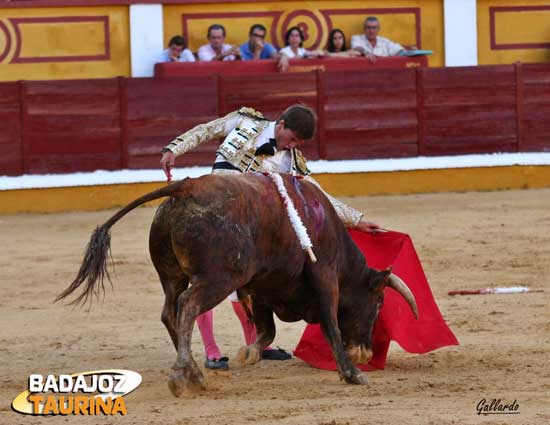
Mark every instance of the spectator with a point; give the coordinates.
(337, 46)
(371, 45)
(257, 47)
(294, 40)
(177, 51)
(217, 50)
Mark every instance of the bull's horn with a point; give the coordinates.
(396, 283)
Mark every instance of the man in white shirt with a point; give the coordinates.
(217, 50)
(371, 45)
(177, 51)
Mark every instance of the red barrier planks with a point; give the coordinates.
(469, 110)
(84, 125)
(371, 114)
(11, 159)
(160, 109)
(71, 126)
(263, 67)
(536, 107)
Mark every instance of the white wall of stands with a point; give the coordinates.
(146, 38)
(460, 26)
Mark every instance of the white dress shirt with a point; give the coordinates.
(383, 47)
(207, 53)
(185, 56)
(290, 53)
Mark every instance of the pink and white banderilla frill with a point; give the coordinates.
(295, 219)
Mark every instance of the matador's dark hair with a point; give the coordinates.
(300, 119)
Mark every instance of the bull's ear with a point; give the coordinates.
(381, 280)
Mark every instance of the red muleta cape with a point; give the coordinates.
(395, 320)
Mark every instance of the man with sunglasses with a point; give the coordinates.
(257, 47)
(371, 45)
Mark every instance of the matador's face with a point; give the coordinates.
(286, 138)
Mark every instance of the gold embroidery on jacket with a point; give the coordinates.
(251, 113)
(233, 148)
(300, 163)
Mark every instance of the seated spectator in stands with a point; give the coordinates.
(371, 45)
(257, 47)
(217, 50)
(177, 51)
(294, 40)
(337, 46)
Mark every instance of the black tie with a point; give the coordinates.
(267, 148)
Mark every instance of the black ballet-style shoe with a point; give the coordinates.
(217, 364)
(276, 354)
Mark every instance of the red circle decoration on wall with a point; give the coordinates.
(4, 53)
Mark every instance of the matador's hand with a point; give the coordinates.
(368, 226)
(167, 163)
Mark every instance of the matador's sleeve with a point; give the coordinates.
(220, 127)
(349, 216)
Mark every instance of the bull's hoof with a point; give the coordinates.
(354, 354)
(181, 380)
(359, 354)
(354, 376)
(366, 355)
(360, 379)
(248, 355)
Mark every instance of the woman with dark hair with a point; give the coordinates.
(336, 44)
(294, 39)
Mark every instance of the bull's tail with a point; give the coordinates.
(94, 270)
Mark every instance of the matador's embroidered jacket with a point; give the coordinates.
(249, 145)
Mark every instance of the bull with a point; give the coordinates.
(221, 233)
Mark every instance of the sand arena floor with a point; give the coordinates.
(465, 240)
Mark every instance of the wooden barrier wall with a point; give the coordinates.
(369, 115)
(11, 159)
(83, 125)
(70, 125)
(534, 107)
(469, 110)
(159, 109)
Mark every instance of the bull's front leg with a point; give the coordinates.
(328, 295)
(265, 334)
(347, 370)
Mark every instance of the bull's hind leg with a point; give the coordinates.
(326, 284)
(265, 330)
(203, 295)
(172, 290)
(171, 275)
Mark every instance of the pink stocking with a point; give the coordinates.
(206, 328)
(249, 330)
